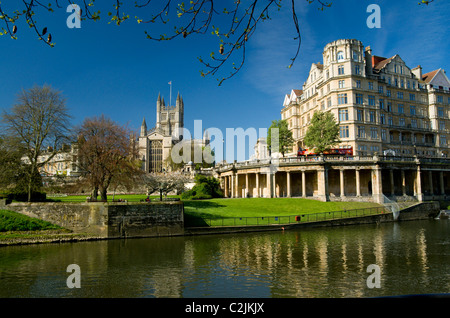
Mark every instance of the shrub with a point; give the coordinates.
(18, 195)
(204, 188)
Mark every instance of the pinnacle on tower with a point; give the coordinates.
(143, 128)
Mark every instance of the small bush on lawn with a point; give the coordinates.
(204, 188)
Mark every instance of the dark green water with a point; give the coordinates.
(413, 257)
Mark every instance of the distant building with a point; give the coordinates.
(155, 145)
(381, 104)
(63, 163)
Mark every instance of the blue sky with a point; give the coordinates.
(114, 70)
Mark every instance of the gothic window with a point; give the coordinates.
(155, 156)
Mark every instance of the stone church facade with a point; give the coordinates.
(155, 144)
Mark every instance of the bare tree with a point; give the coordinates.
(40, 122)
(165, 182)
(234, 25)
(107, 154)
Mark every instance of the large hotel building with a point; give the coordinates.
(382, 105)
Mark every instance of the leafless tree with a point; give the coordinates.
(107, 154)
(165, 182)
(234, 25)
(40, 121)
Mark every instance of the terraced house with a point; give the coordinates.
(382, 105)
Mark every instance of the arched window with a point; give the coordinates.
(340, 56)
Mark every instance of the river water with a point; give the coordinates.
(410, 257)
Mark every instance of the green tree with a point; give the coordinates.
(285, 141)
(323, 133)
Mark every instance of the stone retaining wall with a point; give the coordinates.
(109, 220)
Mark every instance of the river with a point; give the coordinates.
(389, 259)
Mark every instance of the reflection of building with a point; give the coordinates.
(380, 103)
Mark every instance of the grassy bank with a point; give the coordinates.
(261, 210)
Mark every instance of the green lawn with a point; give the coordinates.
(261, 211)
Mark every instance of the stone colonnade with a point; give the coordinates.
(332, 181)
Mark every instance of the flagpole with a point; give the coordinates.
(170, 98)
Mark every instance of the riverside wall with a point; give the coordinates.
(109, 220)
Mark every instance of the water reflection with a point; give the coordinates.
(414, 258)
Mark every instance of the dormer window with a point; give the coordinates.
(340, 56)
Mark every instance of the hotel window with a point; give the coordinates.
(390, 121)
(357, 70)
(358, 84)
(400, 95)
(340, 56)
(322, 105)
(441, 125)
(402, 83)
(440, 99)
(329, 102)
(401, 109)
(414, 123)
(381, 103)
(412, 110)
(372, 116)
(342, 99)
(388, 93)
(440, 111)
(343, 114)
(396, 82)
(380, 89)
(412, 97)
(359, 114)
(383, 134)
(389, 106)
(371, 100)
(409, 84)
(341, 84)
(373, 133)
(343, 132)
(382, 119)
(359, 99)
(443, 140)
(341, 70)
(401, 121)
(355, 56)
(361, 132)
(370, 85)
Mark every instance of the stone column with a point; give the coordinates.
(418, 189)
(377, 185)
(288, 182)
(342, 182)
(303, 184)
(246, 186)
(358, 185)
(257, 185)
(225, 188)
(322, 184)
(233, 185)
(236, 187)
